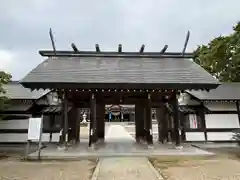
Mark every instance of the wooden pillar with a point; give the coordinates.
(182, 124)
(77, 124)
(100, 115)
(148, 120)
(139, 121)
(161, 114)
(93, 122)
(170, 125)
(61, 137)
(71, 118)
(201, 114)
(238, 110)
(52, 122)
(65, 118)
(176, 119)
(74, 123)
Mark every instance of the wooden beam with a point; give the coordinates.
(186, 43)
(52, 41)
(142, 48)
(119, 48)
(164, 49)
(75, 49)
(116, 54)
(97, 48)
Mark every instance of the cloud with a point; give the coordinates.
(25, 25)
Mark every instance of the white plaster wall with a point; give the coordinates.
(220, 136)
(222, 121)
(195, 136)
(14, 124)
(221, 106)
(22, 137)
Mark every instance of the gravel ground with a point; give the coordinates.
(211, 168)
(12, 169)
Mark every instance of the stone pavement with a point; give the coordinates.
(124, 167)
(118, 133)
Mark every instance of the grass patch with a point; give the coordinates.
(164, 162)
(3, 156)
(230, 152)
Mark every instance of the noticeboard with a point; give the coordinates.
(34, 128)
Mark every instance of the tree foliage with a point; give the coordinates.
(221, 56)
(4, 79)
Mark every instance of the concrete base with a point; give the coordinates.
(179, 147)
(118, 142)
(117, 149)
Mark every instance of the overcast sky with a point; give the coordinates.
(24, 26)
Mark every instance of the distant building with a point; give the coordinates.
(213, 115)
(22, 105)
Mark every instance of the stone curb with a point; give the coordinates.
(155, 172)
(96, 171)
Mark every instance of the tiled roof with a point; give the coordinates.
(106, 70)
(14, 90)
(226, 91)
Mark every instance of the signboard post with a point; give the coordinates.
(35, 134)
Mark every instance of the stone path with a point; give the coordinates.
(124, 167)
(118, 133)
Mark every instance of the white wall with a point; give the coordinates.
(20, 137)
(14, 124)
(222, 121)
(195, 136)
(226, 121)
(215, 121)
(220, 136)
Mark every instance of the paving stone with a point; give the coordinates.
(126, 168)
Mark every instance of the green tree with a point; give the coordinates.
(221, 56)
(4, 79)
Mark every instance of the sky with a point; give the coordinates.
(24, 26)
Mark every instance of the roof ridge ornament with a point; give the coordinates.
(120, 48)
(186, 43)
(119, 53)
(74, 47)
(142, 49)
(52, 40)
(164, 49)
